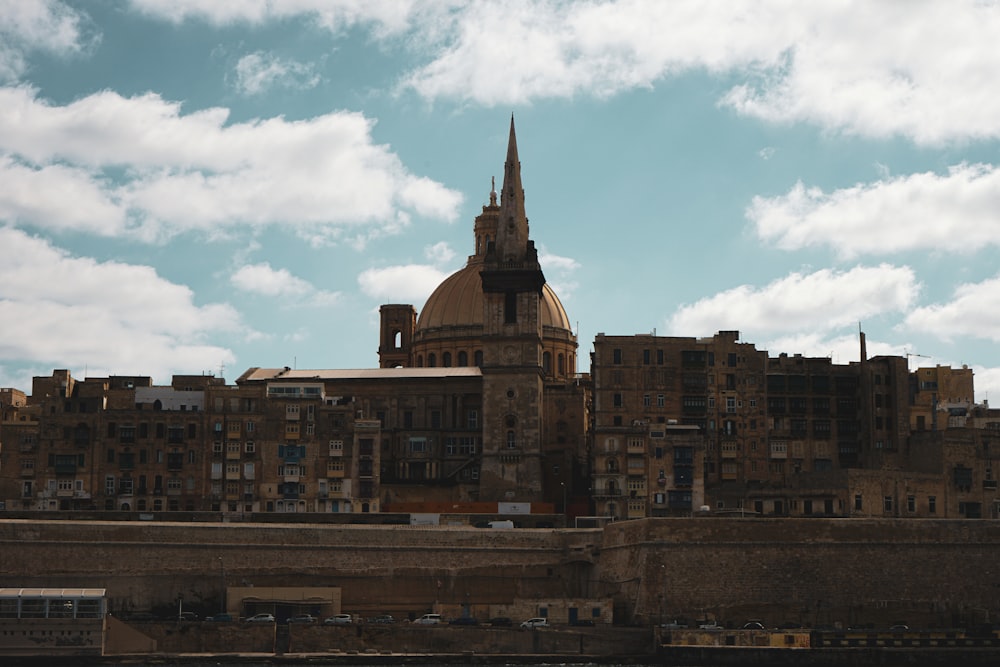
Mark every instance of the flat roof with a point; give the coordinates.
(52, 592)
(320, 375)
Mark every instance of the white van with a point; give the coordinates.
(429, 619)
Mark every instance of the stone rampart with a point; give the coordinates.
(927, 573)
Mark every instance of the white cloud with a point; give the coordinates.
(195, 172)
(106, 316)
(39, 25)
(439, 253)
(987, 383)
(559, 272)
(974, 311)
(388, 16)
(259, 72)
(262, 279)
(923, 70)
(821, 301)
(412, 283)
(957, 212)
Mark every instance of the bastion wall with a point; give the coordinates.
(811, 571)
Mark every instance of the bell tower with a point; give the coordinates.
(512, 370)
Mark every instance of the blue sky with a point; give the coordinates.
(191, 186)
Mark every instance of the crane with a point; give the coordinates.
(913, 354)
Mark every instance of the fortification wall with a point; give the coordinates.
(928, 573)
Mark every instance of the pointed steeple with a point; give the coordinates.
(512, 234)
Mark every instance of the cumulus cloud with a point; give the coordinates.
(560, 272)
(259, 72)
(820, 301)
(973, 311)
(267, 281)
(124, 318)
(928, 78)
(411, 283)
(956, 212)
(40, 25)
(195, 172)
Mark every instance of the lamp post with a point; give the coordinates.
(563, 485)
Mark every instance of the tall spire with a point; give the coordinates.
(512, 234)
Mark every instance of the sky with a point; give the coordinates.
(192, 187)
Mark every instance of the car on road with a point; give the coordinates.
(220, 618)
(535, 623)
(753, 625)
(429, 619)
(464, 620)
(384, 619)
(302, 618)
(261, 618)
(339, 619)
(187, 616)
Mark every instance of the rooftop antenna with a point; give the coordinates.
(222, 369)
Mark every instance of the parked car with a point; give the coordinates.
(464, 620)
(535, 623)
(753, 625)
(674, 625)
(582, 622)
(710, 625)
(187, 616)
(302, 618)
(261, 618)
(220, 618)
(429, 619)
(383, 619)
(899, 627)
(501, 621)
(339, 619)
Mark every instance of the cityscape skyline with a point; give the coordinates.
(193, 188)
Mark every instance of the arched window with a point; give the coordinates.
(562, 365)
(420, 361)
(547, 363)
(612, 465)
(463, 358)
(446, 359)
(479, 358)
(511, 440)
(397, 339)
(431, 360)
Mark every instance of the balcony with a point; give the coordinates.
(291, 478)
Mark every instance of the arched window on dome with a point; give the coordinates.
(446, 359)
(479, 358)
(562, 365)
(463, 358)
(547, 363)
(511, 440)
(420, 361)
(431, 360)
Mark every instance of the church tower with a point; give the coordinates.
(513, 376)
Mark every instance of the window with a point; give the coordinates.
(250, 447)
(911, 504)
(510, 307)
(109, 486)
(616, 355)
(647, 400)
(661, 401)
(887, 503)
(250, 427)
(472, 418)
(418, 445)
(617, 400)
(932, 504)
(511, 440)
(336, 447)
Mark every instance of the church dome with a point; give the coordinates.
(458, 302)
